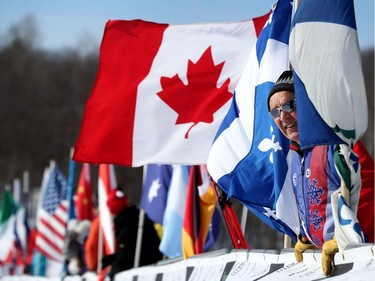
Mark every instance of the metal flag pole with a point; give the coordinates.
(138, 246)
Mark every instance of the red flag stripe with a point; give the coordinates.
(51, 232)
(117, 46)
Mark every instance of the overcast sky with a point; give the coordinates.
(63, 23)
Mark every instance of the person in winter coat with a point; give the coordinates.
(314, 178)
(126, 231)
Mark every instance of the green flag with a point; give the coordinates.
(7, 221)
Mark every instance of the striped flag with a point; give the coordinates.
(248, 158)
(199, 209)
(52, 214)
(83, 197)
(7, 224)
(107, 182)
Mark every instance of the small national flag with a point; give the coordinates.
(183, 74)
(52, 214)
(107, 182)
(7, 223)
(155, 191)
(171, 241)
(199, 209)
(83, 198)
(248, 158)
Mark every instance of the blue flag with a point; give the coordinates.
(155, 191)
(248, 158)
(329, 84)
(171, 243)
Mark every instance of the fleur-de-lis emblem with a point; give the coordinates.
(269, 144)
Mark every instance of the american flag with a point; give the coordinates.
(52, 214)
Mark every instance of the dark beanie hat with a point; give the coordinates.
(284, 83)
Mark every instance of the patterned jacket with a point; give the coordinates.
(314, 179)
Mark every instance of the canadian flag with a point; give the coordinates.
(162, 90)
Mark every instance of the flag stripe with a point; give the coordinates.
(53, 246)
(127, 45)
(52, 226)
(107, 182)
(47, 249)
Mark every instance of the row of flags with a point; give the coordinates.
(166, 190)
(181, 97)
(181, 199)
(14, 233)
(197, 94)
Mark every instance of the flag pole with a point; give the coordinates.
(138, 246)
(100, 249)
(230, 218)
(71, 212)
(287, 239)
(25, 201)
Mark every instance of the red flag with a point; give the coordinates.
(365, 213)
(200, 205)
(184, 75)
(107, 182)
(83, 197)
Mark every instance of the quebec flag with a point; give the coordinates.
(249, 156)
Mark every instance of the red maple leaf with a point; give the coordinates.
(200, 98)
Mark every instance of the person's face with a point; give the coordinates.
(286, 122)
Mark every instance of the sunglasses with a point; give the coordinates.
(287, 107)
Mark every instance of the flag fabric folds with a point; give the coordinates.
(52, 214)
(330, 94)
(170, 244)
(107, 182)
(249, 157)
(83, 198)
(7, 227)
(366, 209)
(329, 83)
(155, 191)
(199, 209)
(174, 81)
